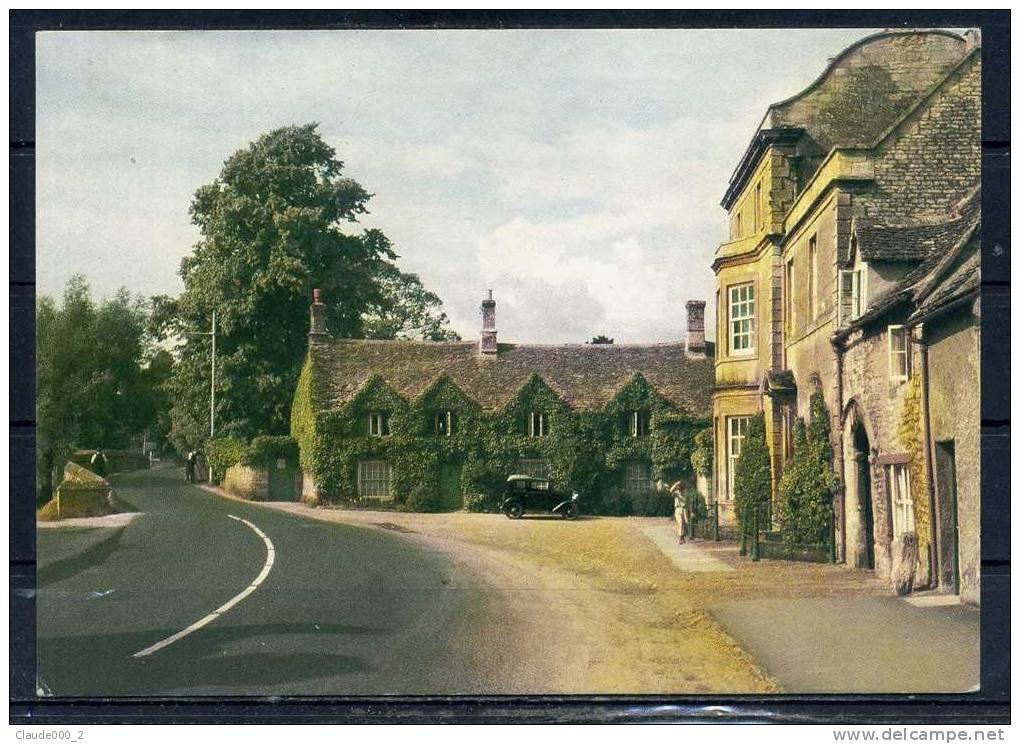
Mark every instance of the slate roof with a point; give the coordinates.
(918, 241)
(585, 376)
(947, 272)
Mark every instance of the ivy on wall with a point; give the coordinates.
(585, 451)
(911, 437)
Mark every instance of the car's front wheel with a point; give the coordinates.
(514, 509)
(570, 511)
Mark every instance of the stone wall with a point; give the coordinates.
(955, 403)
(82, 493)
(247, 482)
(252, 482)
(934, 158)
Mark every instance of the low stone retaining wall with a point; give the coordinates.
(253, 482)
(82, 493)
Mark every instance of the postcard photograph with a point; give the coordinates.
(535, 361)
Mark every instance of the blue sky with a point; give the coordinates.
(576, 173)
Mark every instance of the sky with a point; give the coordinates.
(575, 173)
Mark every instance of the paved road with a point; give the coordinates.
(344, 610)
(858, 644)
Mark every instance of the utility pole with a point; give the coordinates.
(212, 381)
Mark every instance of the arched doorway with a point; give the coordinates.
(859, 520)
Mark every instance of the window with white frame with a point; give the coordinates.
(640, 423)
(378, 424)
(898, 483)
(374, 479)
(736, 430)
(533, 466)
(852, 293)
(637, 478)
(741, 318)
(538, 425)
(446, 423)
(899, 353)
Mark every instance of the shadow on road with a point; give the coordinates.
(95, 555)
(214, 657)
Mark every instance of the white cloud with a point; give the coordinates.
(576, 173)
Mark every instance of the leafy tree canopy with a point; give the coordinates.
(278, 221)
(98, 377)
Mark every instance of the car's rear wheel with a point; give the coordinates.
(570, 511)
(514, 509)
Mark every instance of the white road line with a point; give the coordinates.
(270, 558)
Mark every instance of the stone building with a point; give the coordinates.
(438, 425)
(846, 194)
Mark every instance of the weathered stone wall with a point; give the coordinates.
(925, 168)
(955, 402)
(867, 382)
(247, 482)
(869, 86)
(82, 493)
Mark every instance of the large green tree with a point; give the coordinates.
(98, 379)
(279, 221)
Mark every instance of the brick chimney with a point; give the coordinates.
(317, 333)
(487, 345)
(694, 345)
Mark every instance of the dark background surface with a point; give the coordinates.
(990, 704)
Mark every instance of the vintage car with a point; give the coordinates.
(527, 494)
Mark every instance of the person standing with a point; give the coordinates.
(189, 468)
(98, 463)
(680, 509)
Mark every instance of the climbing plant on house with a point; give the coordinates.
(584, 449)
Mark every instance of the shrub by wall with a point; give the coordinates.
(752, 483)
(222, 453)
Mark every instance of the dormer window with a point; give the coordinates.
(853, 293)
(378, 424)
(446, 424)
(640, 423)
(538, 424)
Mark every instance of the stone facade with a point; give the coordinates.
(888, 135)
(254, 482)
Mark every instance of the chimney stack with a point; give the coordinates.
(694, 346)
(487, 346)
(317, 333)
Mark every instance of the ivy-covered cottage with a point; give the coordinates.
(440, 425)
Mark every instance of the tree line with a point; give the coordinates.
(280, 219)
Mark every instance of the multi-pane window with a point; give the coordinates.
(639, 423)
(446, 423)
(852, 294)
(637, 478)
(899, 353)
(898, 482)
(538, 424)
(736, 430)
(374, 479)
(378, 424)
(741, 318)
(533, 466)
